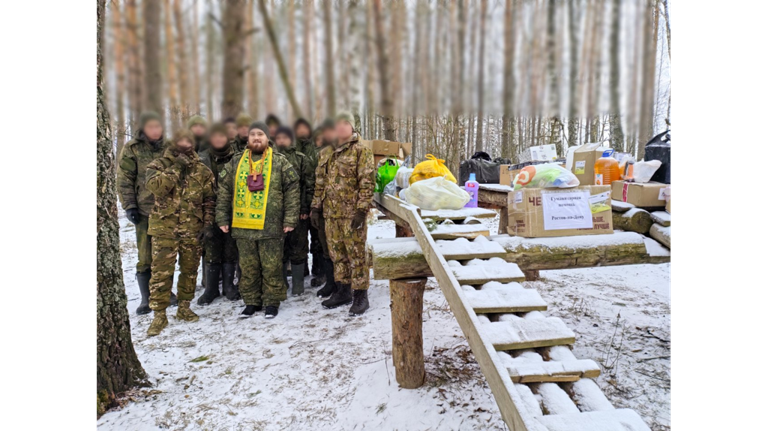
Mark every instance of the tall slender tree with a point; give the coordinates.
(117, 366)
(135, 93)
(279, 58)
(183, 65)
(210, 68)
(308, 11)
(253, 66)
(647, 101)
(172, 84)
(387, 102)
(195, 60)
(234, 53)
(119, 53)
(617, 133)
(153, 78)
(330, 81)
(509, 79)
(481, 76)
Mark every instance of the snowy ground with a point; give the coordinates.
(319, 369)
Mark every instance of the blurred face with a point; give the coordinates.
(303, 132)
(219, 141)
(272, 129)
(153, 129)
(343, 130)
(257, 141)
(329, 136)
(242, 131)
(231, 130)
(282, 140)
(185, 145)
(319, 141)
(198, 130)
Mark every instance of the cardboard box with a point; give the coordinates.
(541, 153)
(507, 174)
(584, 158)
(385, 148)
(669, 205)
(406, 148)
(643, 195)
(527, 212)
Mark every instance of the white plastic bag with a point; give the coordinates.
(436, 194)
(402, 176)
(645, 170)
(546, 176)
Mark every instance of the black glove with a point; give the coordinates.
(183, 160)
(207, 233)
(133, 215)
(315, 217)
(358, 221)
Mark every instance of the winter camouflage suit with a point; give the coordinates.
(261, 251)
(344, 185)
(136, 155)
(296, 245)
(184, 205)
(222, 247)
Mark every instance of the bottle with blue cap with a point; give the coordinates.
(472, 187)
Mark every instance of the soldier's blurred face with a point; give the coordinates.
(198, 130)
(343, 130)
(185, 145)
(257, 141)
(282, 140)
(219, 140)
(242, 131)
(272, 128)
(302, 131)
(329, 135)
(153, 129)
(319, 141)
(231, 130)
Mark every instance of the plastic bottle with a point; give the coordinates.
(471, 187)
(606, 169)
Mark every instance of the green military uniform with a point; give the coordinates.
(222, 247)
(296, 242)
(344, 186)
(261, 250)
(184, 205)
(239, 144)
(136, 155)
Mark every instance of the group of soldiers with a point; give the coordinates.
(245, 196)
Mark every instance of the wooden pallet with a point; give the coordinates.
(537, 382)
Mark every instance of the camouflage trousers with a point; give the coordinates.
(222, 248)
(144, 244)
(347, 247)
(261, 262)
(164, 253)
(296, 244)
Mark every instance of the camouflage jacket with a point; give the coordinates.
(239, 144)
(344, 179)
(215, 163)
(306, 172)
(308, 148)
(136, 155)
(283, 201)
(184, 197)
(201, 144)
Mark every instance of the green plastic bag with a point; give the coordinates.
(386, 173)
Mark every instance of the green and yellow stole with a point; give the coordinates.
(250, 208)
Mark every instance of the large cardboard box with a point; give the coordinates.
(540, 153)
(583, 210)
(584, 158)
(507, 174)
(383, 149)
(643, 195)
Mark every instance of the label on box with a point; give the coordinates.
(624, 190)
(665, 193)
(580, 167)
(598, 179)
(600, 202)
(518, 197)
(566, 210)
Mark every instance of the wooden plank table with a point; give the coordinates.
(495, 196)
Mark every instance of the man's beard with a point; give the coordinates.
(256, 146)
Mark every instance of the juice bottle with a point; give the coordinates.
(606, 169)
(471, 187)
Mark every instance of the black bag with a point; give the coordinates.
(486, 171)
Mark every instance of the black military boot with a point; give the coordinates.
(306, 268)
(143, 279)
(342, 296)
(212, 284)
(174, 300)
(359, 302)
(318, 270)
(297, 278)
(230, 290)
(270, 312)
(330, 283)
(205, 273)
(249, 310)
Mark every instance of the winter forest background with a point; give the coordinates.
(451, 76)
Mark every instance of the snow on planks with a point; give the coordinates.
(478, 271)
(613, 420)
(464, 249)
(530, 367)
(461, 214)
(495, 297)
(453, 231)
(516, 334)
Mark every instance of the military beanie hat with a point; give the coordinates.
(196, 119)
(183, 134)
(346, 116)
(302, 121)
(218, 128)
(272, 119)
(259, 125)
(243, 120)
(284, 130)
(327, 124)
(148, 116)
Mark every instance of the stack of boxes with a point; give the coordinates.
(384, 149)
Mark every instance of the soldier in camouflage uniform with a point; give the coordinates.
(183, 212)
(257, 226)
(296, 245)
(231, 125)
(220, 257)
(272, 124)
(242, 122)
(344, 193)
(199, 127)
(136, 200)
(302, 132)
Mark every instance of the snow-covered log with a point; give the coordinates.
(635, 220)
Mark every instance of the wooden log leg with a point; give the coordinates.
(531, 274)
(407, 303)
(503, 220)
(402, 231)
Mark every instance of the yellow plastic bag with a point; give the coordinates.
(431, 168)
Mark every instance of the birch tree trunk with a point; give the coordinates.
(617, 133)
(309, 9)
(509, 79)
(553, 101)
(135, 94)
(196, 61)
(170, 55)
(574, 18)
(183, 67)
(480, 77)
(153, 78)
(117, 366)
(387, 104)
(234, 53)
(119, 35)
(647, 105)
(330, 82)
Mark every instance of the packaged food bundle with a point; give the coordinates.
(435, 194)
(548, 175)
(430, 168)
(386, 173)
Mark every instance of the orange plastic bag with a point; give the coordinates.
(433, 167)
